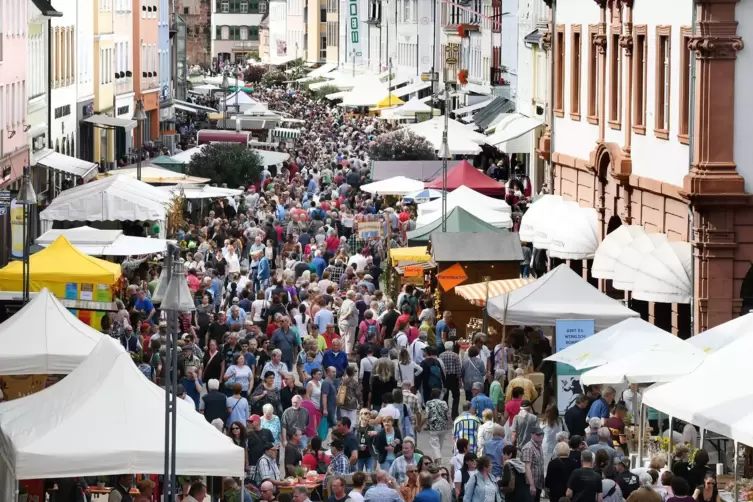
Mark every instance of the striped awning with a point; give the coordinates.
(476, 293)
(281, 132)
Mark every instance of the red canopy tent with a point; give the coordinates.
(464, 173)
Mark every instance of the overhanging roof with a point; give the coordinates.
(470, 246)
(194, 106)
(105, 121)
(46, 8)
(486, 116)
(67, 164)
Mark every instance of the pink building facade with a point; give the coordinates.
(14, 148)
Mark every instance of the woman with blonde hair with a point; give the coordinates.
(485, 430)
(382, 380)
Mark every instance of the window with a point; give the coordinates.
(253, 33)
(686, 62)
(225, 33)
(559, 71)
(406, 11)
(322, 47)
(323, 15)
(593, 75)
(143, 9)
(615, 79)
(663, 60)
(244, 7)
(262, 6)
(186, 10)
(575, 72)
(640, 61)
(244, 32)
(225, 7)
(218, 33)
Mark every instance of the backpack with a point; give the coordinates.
(435, 376)
(371, 331)
(406, 301)
(321, 466)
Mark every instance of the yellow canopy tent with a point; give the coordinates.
(60, 267)
(388, 102)
(417, 254)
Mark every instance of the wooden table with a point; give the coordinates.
(309, 485)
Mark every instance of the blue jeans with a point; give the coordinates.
(386, 465)
(365, 464)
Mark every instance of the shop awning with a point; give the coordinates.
(491, 113)
(272, 158)
(194, 106)
(476, 293)
(574, 234)
(410, 89)
(67, 164)
(472, 108)
(417, 254)
(665, 274)
(105, 121)
(605, 258)
(510, 128)
(630, 260)
(282, 132)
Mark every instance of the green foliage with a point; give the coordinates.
(254, 73)
(233, 164)
(273, 78)
(323, 91)
(401, 145)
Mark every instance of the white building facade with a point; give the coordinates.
(295, 29)
(278, 31)
(235, 28)
(36, 83)
(63, 95)
(85, 64)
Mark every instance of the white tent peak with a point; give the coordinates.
(560, 294)
(399, 185)
(464, 195)
(413, 106)
(72, 430)
(44, 338)
(720, 336)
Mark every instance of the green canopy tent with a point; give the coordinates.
(168, 163)
(244, 89)
(458, 221)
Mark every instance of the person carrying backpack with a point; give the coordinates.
(408, 299)
(432, 375)
(368, 330)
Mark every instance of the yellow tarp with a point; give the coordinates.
(61, 262)
(388, 102)
(417, 254)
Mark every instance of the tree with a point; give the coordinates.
(254, 74)
(322, 92)
(401, 145)
(273, 78)
(229, 163)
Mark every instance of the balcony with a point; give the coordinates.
(149, 82)
(123, 83)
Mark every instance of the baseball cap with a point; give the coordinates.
(536, 430)
(253, 418)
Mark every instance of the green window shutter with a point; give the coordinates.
(218, 33)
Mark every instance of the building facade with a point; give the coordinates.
(235, 29)
(164, 68)
(197, 15)
(14, 50)
(103, 144)
(37, 95)
(295, 29)
(631, 136)
(85, 66)
(333, 31)
(264, 39)
(125, 16)
(145, 66)
(63, 86)
(278, 30)
(316, 31)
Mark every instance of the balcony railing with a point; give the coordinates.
(496, 77)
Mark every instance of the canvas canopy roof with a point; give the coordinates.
(367, 90)
(205, 192)
(45, 267)
(44, 338)
(415, 254)
(467, 197)
(461, 139)
(96, 242)
(390, 101)
(414, 106)
(499, 219)
(458, 220)
(114, 198)
(399, 185)
(477, 293)
(560, 294)
(154, 174)
(534, 219)
(724, 409)
(464, 174)
(64, 440)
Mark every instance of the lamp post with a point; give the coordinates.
(140, 117)
(486, 280)
(26, 197)
(225, 87)
(174, 296)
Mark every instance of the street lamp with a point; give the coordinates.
(225, 87)
(140, 117)
(177, 298)
(26, 197)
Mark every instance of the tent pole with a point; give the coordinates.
(641, 434)
(174, 394)
(669, 444)
(736, 493)
(167, 364)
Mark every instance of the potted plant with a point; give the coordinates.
(101, 481)
(463, 77)
(300, 472)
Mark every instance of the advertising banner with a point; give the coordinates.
(569, 332)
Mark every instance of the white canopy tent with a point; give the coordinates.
(510, 134)
(574, 234)
(499, 219)
(399, 185)
(186, 155)
(413, 106)
(44, 338)
(665, 274)
(699, 398)
(114, 198)
(269, 158)
(322, 71)
(560, 294)
(96, 242)
(205, 192)
(83, 426)
(461, 139)
(367, 90)
(154, 174)
(206, 88)
(612, 343)
(630, 260)
(464, 196)
(720, 336)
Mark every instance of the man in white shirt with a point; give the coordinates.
(402, 339)
(418, 346)
(360, 260)
(390, 410)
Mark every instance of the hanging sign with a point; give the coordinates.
(451, 277)
(354, 29)
(569, 332)
(413, 271)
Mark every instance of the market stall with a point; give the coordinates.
(464, 174)
(96, 242)
(84, 426)
(468, 258)
(560, 294)
(467, 198)
(458, 221)
(498, 219)
(44, 338)
(112, 199)
(82, 278)
(398, 185)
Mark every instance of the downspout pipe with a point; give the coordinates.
(691, 135)
(553, 32)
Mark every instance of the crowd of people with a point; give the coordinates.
(299, 353)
